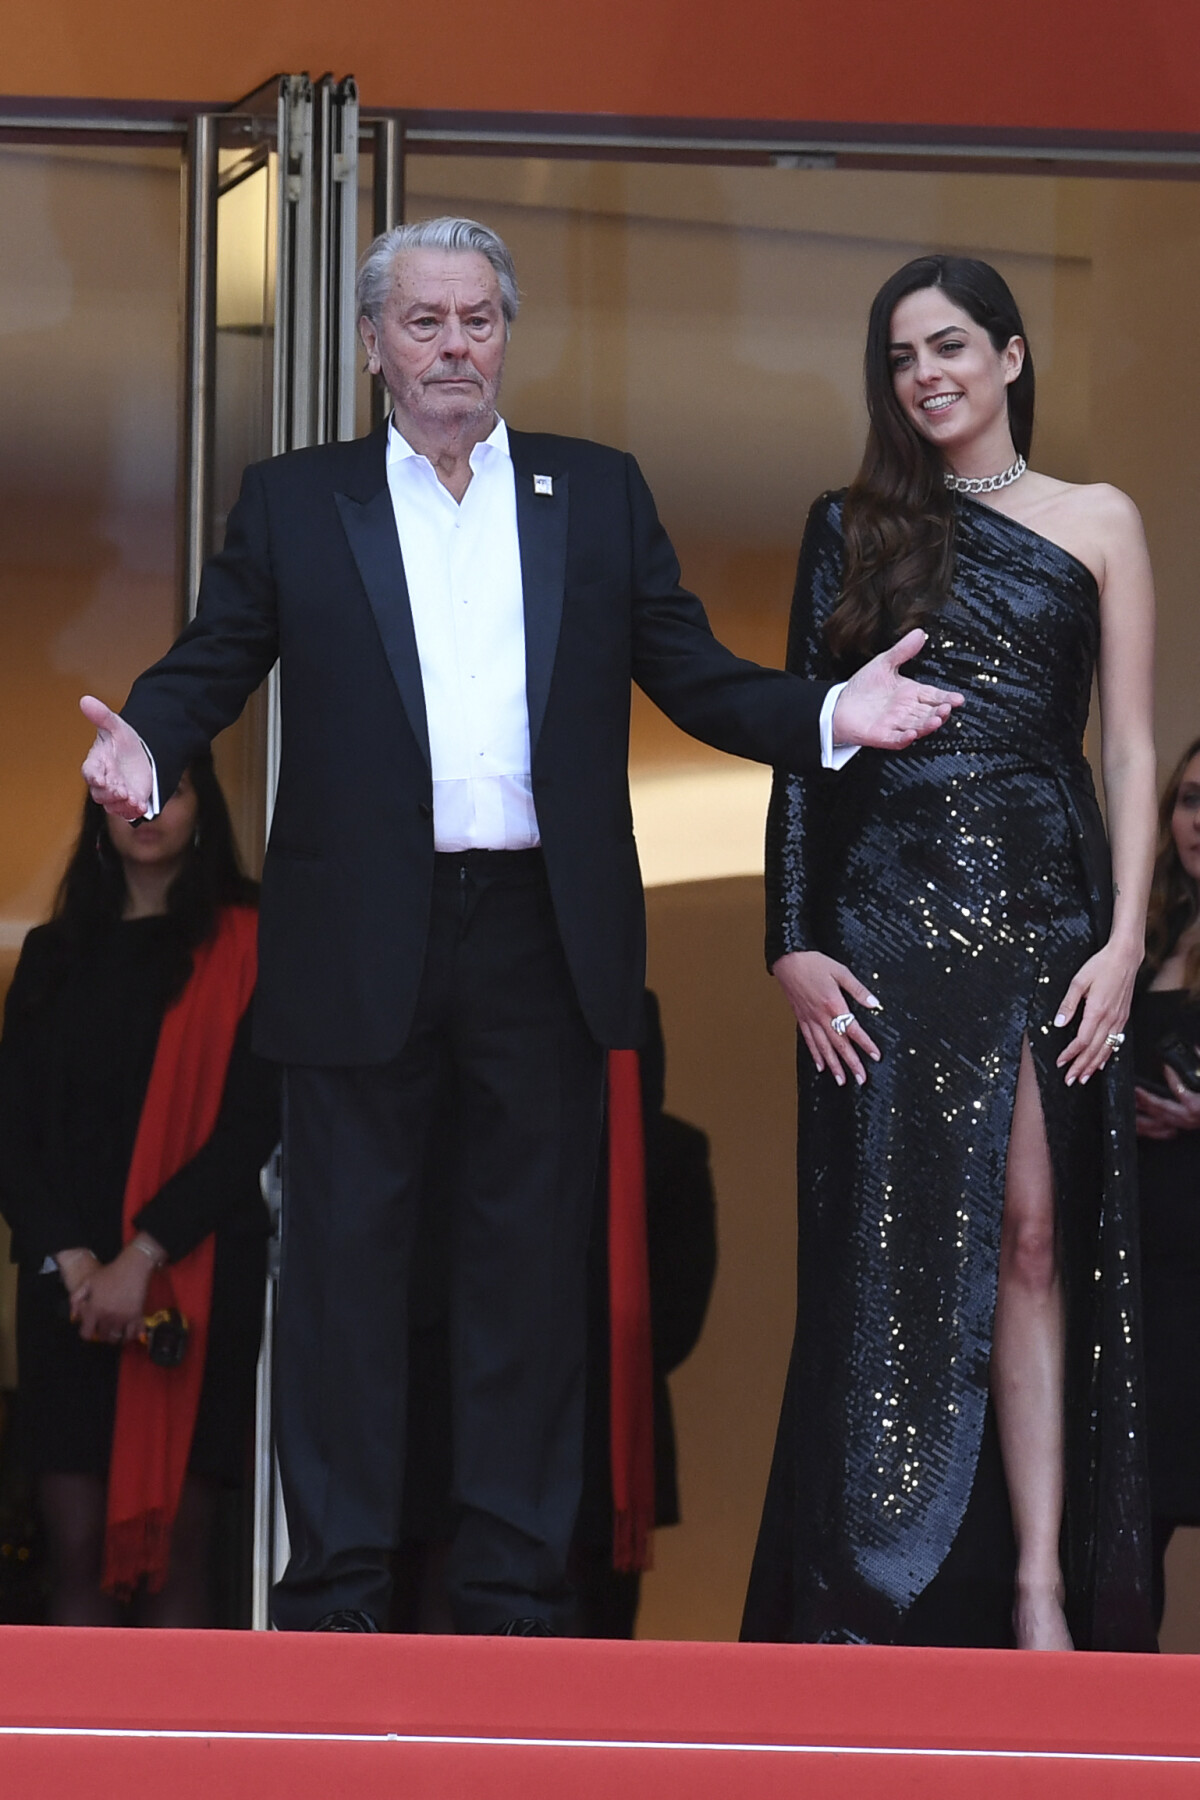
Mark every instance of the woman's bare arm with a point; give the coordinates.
(1103, 987)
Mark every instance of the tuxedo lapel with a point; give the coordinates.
(542, 530)
(370, 526)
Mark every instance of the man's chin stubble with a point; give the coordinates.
(462, 411)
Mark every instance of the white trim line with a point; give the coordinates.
(457, 1741)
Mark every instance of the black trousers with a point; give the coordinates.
(498, 1039)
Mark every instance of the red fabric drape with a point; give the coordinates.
(156, 1408)
(631, 1356)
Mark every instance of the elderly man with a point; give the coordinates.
(452, 912)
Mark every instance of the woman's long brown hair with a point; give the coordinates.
(898, 519)
(92, 892)
(1174, 899)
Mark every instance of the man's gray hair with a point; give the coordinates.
(373, 282)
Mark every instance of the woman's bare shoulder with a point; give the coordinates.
(1095, 521)
(1099, 504)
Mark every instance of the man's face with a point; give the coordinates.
(440, 343)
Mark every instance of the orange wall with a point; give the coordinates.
(1084, 65)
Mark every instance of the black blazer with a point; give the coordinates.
(312, 573)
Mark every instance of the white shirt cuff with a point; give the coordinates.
(154, 808)
(833, 756)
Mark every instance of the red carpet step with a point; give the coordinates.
(92, 1714)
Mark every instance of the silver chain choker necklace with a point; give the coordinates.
(985, 484)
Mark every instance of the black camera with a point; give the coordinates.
(1176, 1054)
(165, 1335)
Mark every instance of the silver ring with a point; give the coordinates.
(1115, 1039)
(842, 1023)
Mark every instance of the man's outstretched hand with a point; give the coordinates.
(116, 768)
(880, 707)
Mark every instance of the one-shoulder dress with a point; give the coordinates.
(964, 880)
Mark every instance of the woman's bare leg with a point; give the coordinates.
(1027, 1372)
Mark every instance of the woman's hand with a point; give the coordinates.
(818, 990)
(1162, 1118)
(110, 1304)
(1104, 988)
(76, 1267)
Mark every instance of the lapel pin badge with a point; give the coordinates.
(543, 484)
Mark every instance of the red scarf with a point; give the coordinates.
(631, 1357)
(156, 1408)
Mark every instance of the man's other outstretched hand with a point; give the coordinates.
(881, 707)
(116, 768)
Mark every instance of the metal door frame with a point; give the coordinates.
(306, 135)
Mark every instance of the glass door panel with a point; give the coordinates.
(89, 361)
(241, 399)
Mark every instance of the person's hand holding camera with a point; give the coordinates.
(1161, 1116)
(108, 1300)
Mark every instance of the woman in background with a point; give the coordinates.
(129, 1165)
(943, 925)
(1166, 1042)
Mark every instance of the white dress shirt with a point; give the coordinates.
(462, 563)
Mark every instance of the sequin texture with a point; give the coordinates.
(964, 880)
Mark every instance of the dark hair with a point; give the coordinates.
(92, 892)
(1174, 900)
(899, 515)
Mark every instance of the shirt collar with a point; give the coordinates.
(399, 449)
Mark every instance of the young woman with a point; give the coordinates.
(1166, 1044)
(129, 1169)
(959, 950)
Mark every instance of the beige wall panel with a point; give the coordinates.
(1145, 383)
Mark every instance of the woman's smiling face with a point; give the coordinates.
(951, 381)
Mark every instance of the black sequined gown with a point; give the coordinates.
(964, 880)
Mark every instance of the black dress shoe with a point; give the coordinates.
(525, 1628)
(346, 1618)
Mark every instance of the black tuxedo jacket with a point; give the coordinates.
(312, 572)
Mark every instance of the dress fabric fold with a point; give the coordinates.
(964, 880)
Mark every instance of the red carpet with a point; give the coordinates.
(99, 1714)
